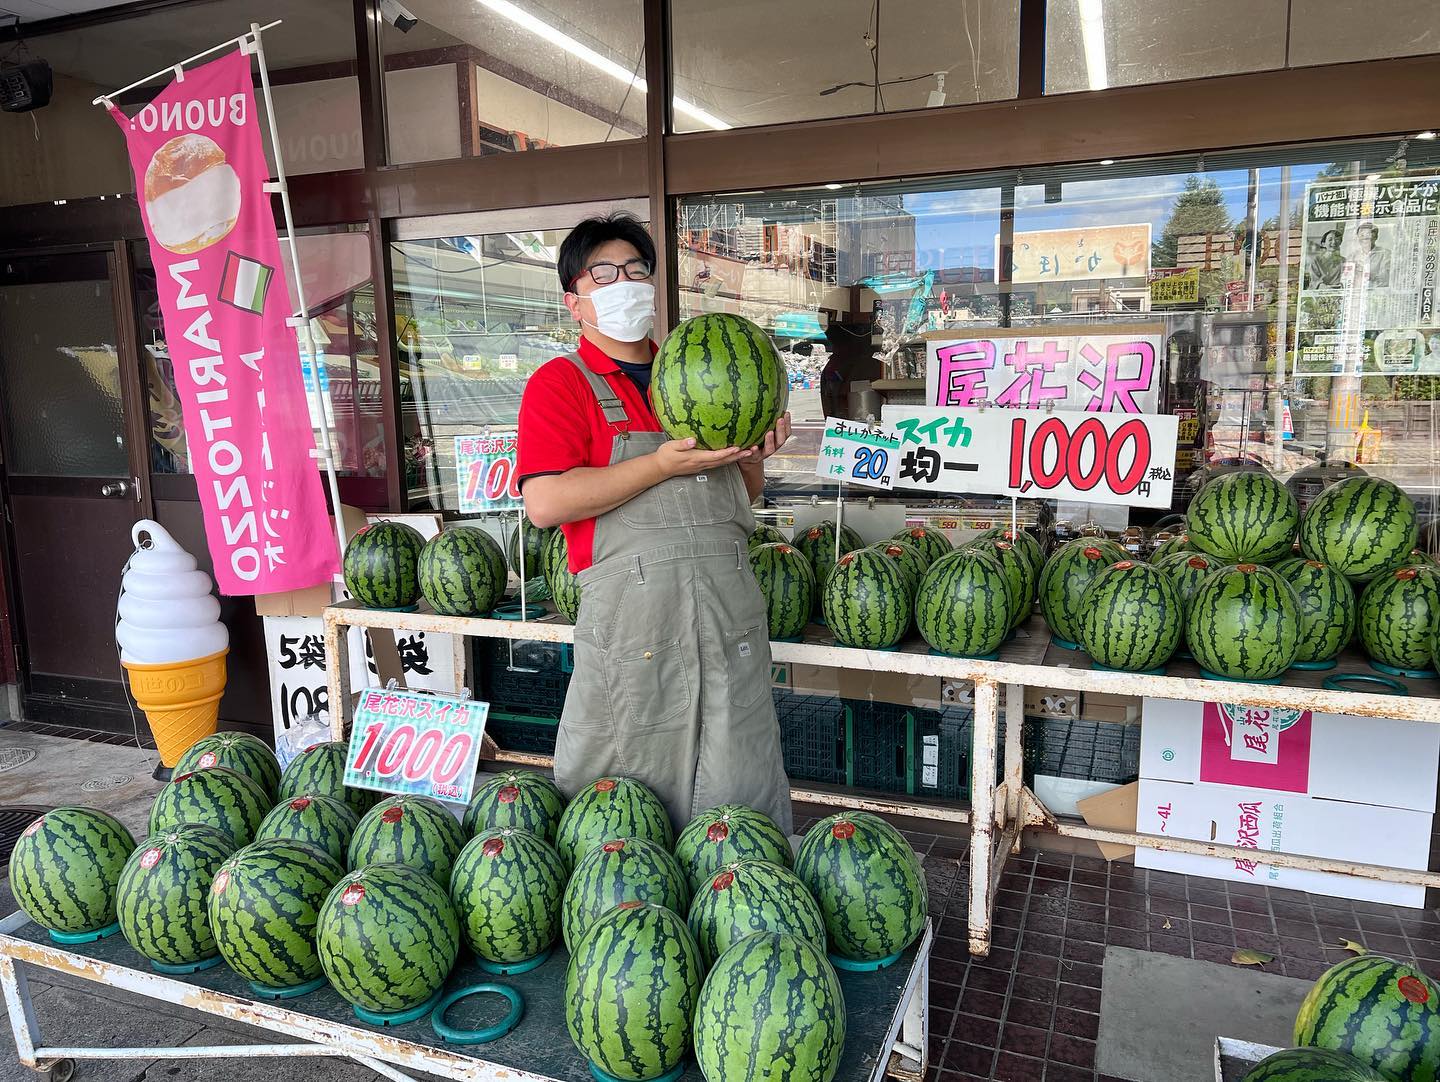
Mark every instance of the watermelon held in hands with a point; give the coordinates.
(462, 572)
(563, 583)
(718, 378)
(749, 897)
(1311, 1065)
(1244, 624)
(1327, 607)
(1383, 1013)
(611, 808)
(868, 882)
(520, 799)
(240, 752)
(264, 905)
(1360, 527)
(620, 870)
(216, 797)
(1243, 517)
(771, 1010)
(929, 541)
(865, 601)
(381, 565)
(908, 559)
(323, 822)
(766, 534)
(535, 541)
(413, 830)
(787, 583)
(1396, 615)
(507, 887)
(66, 866)
(724, 835)
(319, 770)
(1066, 575)
(630, 991)
(1130, 617)
(164, 889)
(963, 606)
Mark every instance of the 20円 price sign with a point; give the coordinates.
(1110, 458)
(858, 453)
(406, 742)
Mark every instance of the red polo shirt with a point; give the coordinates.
(561, 427)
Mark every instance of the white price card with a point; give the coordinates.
(858, 453)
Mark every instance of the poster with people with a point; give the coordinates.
(1369, 270)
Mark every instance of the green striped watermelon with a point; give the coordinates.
(787, 583)
(1187, 570)
(771, 1011)
(1024, 542)
(462, 572)
(748, 897)
(516, 798)
(725, 834)
(817, 542)
(611, 808)
(868, 882)
(1396, 614)
(908, 559)
(1360, 526)
(865, 601)
(1244, 517)
(319, 770)
(413, 830)
(620, 870)
(535, 541)
(507, 887)
(1416, 557)
(1169, 547)
(630, 991)
(1383, 1013)
(1070, 569)
(380, 565)
(264, 904)
(1130, 617)
(1327, 607)
(1310, 1065)
(564, 586)
(766, 534)
(1017, 570)
(963, 606)
(387, 937)
(216, 797)
(323, 822)
(240, 752)
(65, 868)
(929, 541)
(718, 378)
(161, 899)
(1244, 623)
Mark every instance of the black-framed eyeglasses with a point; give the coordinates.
(603, 274)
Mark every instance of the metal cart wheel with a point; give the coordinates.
(62, 1070)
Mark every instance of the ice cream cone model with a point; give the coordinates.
(172, 643)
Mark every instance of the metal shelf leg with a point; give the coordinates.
(982, 815)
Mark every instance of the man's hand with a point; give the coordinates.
(680, 457)
(774, 440)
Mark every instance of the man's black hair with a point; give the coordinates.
(580, 245)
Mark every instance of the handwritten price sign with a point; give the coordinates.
(406, 742)
(857, 453)
(1066, 454)
(485, 470)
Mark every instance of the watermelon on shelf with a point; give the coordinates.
(630, 991)
(264, 905)
(1383, 1013)
(1065, 577)
(771, 1010)
(907, 558)
(507, 887)
(929, 541)
(1243, 517)
(963, 606)
(1130, 617)
(161, 901)
(865, 601)
(66, 866)
(387, 937)
(766, 534)
(787, 583)
(320, 821)
(1310, 1065)
(535, 541)
(724, 835)
(1024, 542)
(748, 897)
(620, 870)
(319, 770)
(1188, 571)
(1244, 623)
(817, 542)
(380, 565)
(611, 808)
(462, 572)
(1360, 527)
(240, 752)
(868, 882)
(1015, 565)
(719, 379)
(1179, 543)
(516, 798)
(563, 583)
(1326, 602)
(413, 830)
(1396, 614)
(216, 797)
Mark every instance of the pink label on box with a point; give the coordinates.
(1248, 745)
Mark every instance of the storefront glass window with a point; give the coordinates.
(759, 62)
(494, 77)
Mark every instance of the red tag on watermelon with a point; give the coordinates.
(207, 760)
(843, 831)
(1413, 989)
(34, 828)
(1198, 562)
(613, 847)
(353, 893)
(718, 832)
(1406, 573)
(723, 881)
(1124, 565)
(629, 905)
(493, 847)
(392, 815)
(1313, 563)
(848, 558)
(605, 785)
(150, 859)
(300, 803)
(1246, 569)
(1092, 553)
(508, 795)
(222, 880)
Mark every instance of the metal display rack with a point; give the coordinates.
(998, 812)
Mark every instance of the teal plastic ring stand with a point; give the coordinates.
(1236, 679)
(669, 1076)
(514, 611)
(1339, 680)
(1314, 666)
(1393, 670)
(850, 965)
(395, 1018)
(186, 968)
(452, 1035)
(1158, 670)
(1064, 644)
(70, 938)
(510, 969)
(295, 991)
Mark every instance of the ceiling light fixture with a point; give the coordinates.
(1425, 135)
(1107, 161)
(834, 187)
(561, 40)
(1092, 34)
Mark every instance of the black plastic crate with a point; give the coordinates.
(916, 752)
(1102, 751)
(536, 683)
(812, 736)
(517, 732)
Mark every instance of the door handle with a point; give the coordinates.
(115, 490)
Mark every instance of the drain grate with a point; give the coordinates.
(107, 782)
(13, 820)
(11, 758)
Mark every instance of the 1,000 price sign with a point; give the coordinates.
(406, 742)
(486, 474)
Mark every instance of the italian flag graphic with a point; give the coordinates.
(244, 283)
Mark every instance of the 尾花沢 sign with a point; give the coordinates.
(486, 472)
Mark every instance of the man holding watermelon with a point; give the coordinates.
(672, 655)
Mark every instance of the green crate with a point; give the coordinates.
(514, 690)
(915, 752)
(1102, 751)
(813, 731)
(521, 732)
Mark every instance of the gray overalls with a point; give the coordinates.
(672, 647)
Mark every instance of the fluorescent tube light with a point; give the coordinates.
(1092, 34)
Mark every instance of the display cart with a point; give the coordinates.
(998, 812)
(886, 1017)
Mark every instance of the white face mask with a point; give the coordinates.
(624, 310)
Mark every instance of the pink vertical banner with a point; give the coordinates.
(200, 173)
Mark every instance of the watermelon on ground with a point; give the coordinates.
(240, 752)
(868, 882)
(1243, 517)
(611, 808)
(413, 830)
(771, 1011)
(1383, 1013)
(719, 379)
(320, 821)
(1130, 617)
(630, 991)
(535, 539)
(462, 572)
(1310, 1065)
(264, 904)
(1244, 623)
(563, 583)
(521, 799)
(724, 835)
(787, 583)
(766, 534)
(748, 897)
(1326, 602)
(865, 601)
(507, 887)
(65, 868)
(907, 558)
(1065, 577)
(161, 901)
(963, 606)
(1360, 527)
(319, 770)
(387, 937)
(216, 797)
(380, 565)
(929, 541)
(1396, 614)
(620, 870)
(817, 542)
